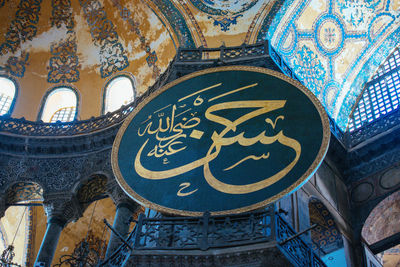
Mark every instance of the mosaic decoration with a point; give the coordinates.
(16, 65)
(357, 12)
(309, 69)
(92, 188)
(325, 236)
(29, 254)
(112, 55)
(193, 20)
(383, 221)
(350, 39)
(64, 64)
(62, 14)
(23, 27)
(24, 191)
(177, 22)
(224, 12)
(2, 3)
(151, 58)
(262, 32)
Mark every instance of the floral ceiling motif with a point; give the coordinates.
(224, 12)
(334, 46)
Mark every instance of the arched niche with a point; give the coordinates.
(383, 221)
(24, 192)
(92, 188)
(327, 241)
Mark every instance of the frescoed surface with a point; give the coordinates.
(335, 46)
(82, 44)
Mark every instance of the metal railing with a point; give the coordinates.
(208, 232)
(39, 128)
(184, 58)
(296, 249)
(222, 53)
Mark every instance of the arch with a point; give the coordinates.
(24, 192)
(326, 236)
(8, 94)
(381, 94)
(88, 190)
(59, 104)
(383, 221)
(118, 91)
(327, 241)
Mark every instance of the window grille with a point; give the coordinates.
(119, 91)
(64, 115)
(60, 104)
(7, 95)
(5, 103)
(381, 94)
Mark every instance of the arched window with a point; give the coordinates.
(7, 95)
(60, 105)
(118, 92)
(381, 94)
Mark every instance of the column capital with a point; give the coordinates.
(62, 208)
(119, 197)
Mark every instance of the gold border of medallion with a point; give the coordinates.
(320, 156)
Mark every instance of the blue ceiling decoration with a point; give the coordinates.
(335, 46)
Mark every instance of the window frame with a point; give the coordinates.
(110, 80)
(375, 95)
(16, 93)
(50, 91)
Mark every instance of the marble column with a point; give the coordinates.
(60, 210)
(125, 208)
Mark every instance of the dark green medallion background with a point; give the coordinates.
(302, 118)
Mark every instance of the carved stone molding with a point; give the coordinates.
(62, 208)
(53, 174)
(119, 197)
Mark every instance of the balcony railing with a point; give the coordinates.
(295, 249)
(215, 232)
(185, 58)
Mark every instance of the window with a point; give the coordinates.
(7, 95)
(119, 91)
(381, 94)
(60, 105)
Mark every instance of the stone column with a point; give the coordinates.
(60, 210)
(125, 208)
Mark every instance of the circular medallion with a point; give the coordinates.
(390, 179)
(362, 192)
(329, 32)
(223, 140)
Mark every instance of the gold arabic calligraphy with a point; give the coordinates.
(173, 142)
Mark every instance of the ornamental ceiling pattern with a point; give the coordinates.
(334, 46)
